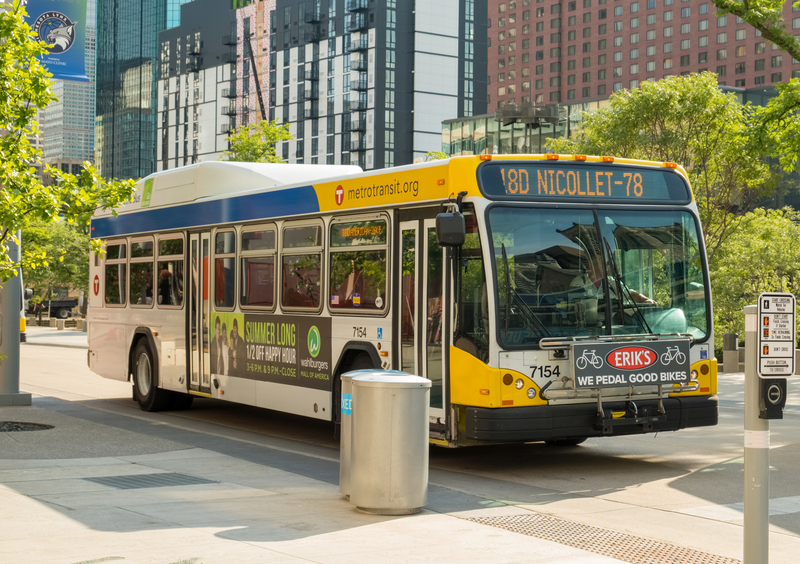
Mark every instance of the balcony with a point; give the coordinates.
(194, 64)
(358, 105)
(226, 129)
(360, 44)
(311, 110)
(229, 110)
(312, 33)
(193, 48)
(313, 72)
(312, 93)
(358, 64)
(313, 16)
(229, 40)
(229, 58)
(355, 5)
(229, 92)
(359, 144)
(355, 22)
(358, 125)
(360, 83)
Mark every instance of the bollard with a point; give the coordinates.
(730, 353)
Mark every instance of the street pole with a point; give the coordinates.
(10, 305)
(756, 451)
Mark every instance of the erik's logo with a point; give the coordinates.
(55, 29)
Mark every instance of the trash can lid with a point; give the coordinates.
(390, 379)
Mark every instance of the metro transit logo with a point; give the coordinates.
(339, 195)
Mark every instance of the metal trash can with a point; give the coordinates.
(346, 423)
(389, 458)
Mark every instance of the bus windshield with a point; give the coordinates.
(584, 272)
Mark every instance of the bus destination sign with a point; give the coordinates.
(577, 181)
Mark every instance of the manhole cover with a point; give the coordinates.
(11, 426)
(160, 480)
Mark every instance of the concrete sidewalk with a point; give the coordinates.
(102, 486)
(52, 337)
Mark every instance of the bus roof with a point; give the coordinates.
(218, 178)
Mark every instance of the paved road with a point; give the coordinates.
(683, 488)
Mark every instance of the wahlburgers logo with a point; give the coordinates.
(314, 341)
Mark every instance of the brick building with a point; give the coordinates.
(547, 51)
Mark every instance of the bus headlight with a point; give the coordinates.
(519, 384)
(531, 393)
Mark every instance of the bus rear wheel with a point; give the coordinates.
(145, 380)
(574, 441)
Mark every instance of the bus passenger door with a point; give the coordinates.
(432, 305)
(199, 364)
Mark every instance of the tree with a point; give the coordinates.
(65, 248)
(435, 156)
(776, 125)
(685, 120)
(24, 200)
(255, 143)
(762, 256)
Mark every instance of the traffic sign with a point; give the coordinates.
(776, 335)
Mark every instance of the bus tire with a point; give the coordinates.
(362, 361)
(145, 380)
(574, 441)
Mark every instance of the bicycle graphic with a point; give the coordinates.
(588, 357)
(673, 353)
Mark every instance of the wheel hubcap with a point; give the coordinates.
(144, 376)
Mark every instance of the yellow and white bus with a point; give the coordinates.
(547, 297)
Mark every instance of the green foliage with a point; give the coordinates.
(686, 120)
(776, 126)
(61, 251)
(762, 256)
(435, 156)
(255, 143)
(24, 200)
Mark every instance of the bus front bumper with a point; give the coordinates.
(547, 422)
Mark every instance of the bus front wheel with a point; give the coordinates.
(145, 380)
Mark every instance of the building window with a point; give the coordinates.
(722, 37)
(777, 61)
(760, 48)
(776, 77)
(650, 50)
(651, 19)
(634, 69)
(601, 90)
(634, 38)
(634, 54)
(702, 25)
(601, 74)
(686, 12)
(667, 63)
(702, 41)
(702, 58)
(741, 34)
(650, 66)
(651, 35)
(759, 64)
(739, 68)
(740, 51)
(617, 86)
(722, 54)
(634, 23)
(685, 44)
(668, 31)
(740, 83)
(722, 70)
(586, 92)
(685, 60)
(668, 47)
(686, 28)
(668, 16)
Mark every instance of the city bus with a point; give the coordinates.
(547, 297)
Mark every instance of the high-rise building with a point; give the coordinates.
(369, 82)
(582, 50)
(127, 50)
(67, 125)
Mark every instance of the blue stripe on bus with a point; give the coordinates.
(264, 205)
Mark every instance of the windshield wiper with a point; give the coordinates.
(531, 319)
(622, 289)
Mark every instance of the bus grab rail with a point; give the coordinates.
(566, 342)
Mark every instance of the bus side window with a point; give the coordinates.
(170, 272)
(224, 269)
(116, 275)
(301, 263)
(141, 272)
(258, 268)
(358, 265)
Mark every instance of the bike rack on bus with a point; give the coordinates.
(608, 423)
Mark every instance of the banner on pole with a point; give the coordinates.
(62, 25)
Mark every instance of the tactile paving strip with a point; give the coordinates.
(628, 548)
(159, 480)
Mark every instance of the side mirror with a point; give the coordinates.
(451, 231)
(28, 293)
